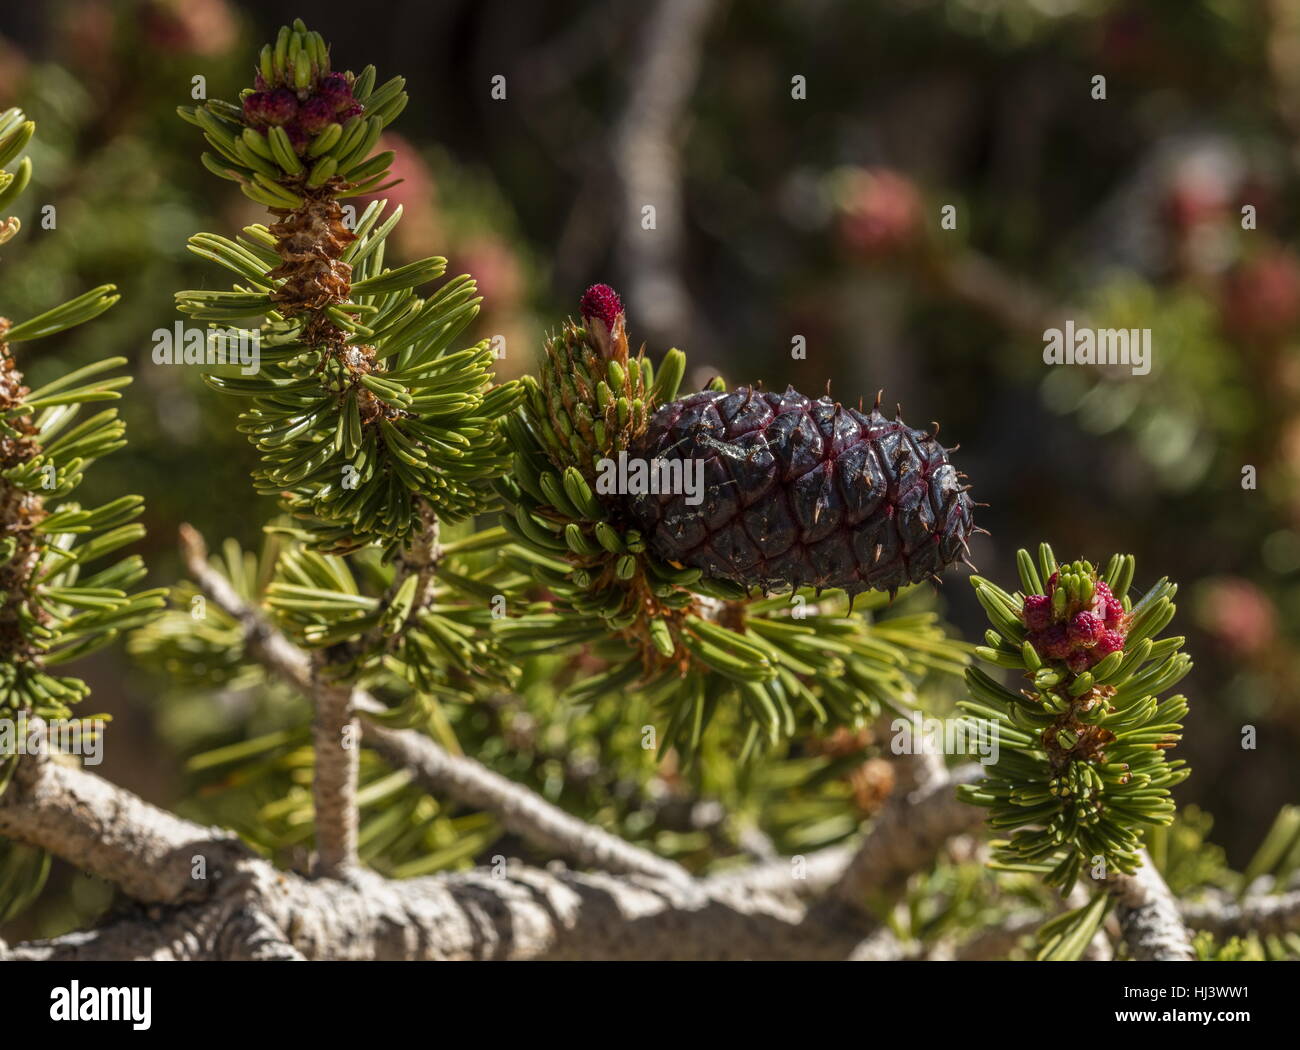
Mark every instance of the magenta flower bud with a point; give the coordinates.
(1053, 641)
(1037, 612)
(1086, 629)
(336, 90)
(298, 138)
(281, 106)
(256, 108)
(1079, 660)
(1110, 642)
(315, 114)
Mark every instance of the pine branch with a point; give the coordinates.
(467, 781)
(519, 809)
(265, 643)
(1263, 914)
(907, 835)
(150, 853)
(522, 913)
(336, 741)
(1149, 918)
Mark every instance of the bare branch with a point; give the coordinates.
(648, 166)
(1265, 914)
(267, 645)
(153, 855)
(1149, 920)
(519, 809)
(907, 835)
(522, 811)
(519, 913)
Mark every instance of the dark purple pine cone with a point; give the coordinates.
(803, 493)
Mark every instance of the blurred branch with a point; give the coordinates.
(1264, 914)
(1013, 302)
(648, 165)
(1283, 51)
(907, 835)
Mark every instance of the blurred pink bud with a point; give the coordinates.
(880, 213)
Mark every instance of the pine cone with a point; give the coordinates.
(803, 493)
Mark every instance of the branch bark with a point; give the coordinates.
(336, 747)
(1265, 914)
(1149, 919)
(246, 908)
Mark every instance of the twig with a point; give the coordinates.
(522, 811)
(267, 645)
(335, 731)
(519, 809)
(336, 746)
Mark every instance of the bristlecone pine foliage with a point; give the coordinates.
(693, 639)
(363, 415)
(373, 430)
(1083, 768)
(58, 600)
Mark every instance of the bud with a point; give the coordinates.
(1078, 621)
(602, 311)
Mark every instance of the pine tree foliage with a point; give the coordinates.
(587, 755)
(690, 642)
(366, 417)
(1084, 765)
(60, 599)
(550, 641)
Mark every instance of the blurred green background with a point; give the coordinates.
(776, 217)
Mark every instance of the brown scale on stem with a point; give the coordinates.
(1090, 740)
(20, 512)
(310, 241)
